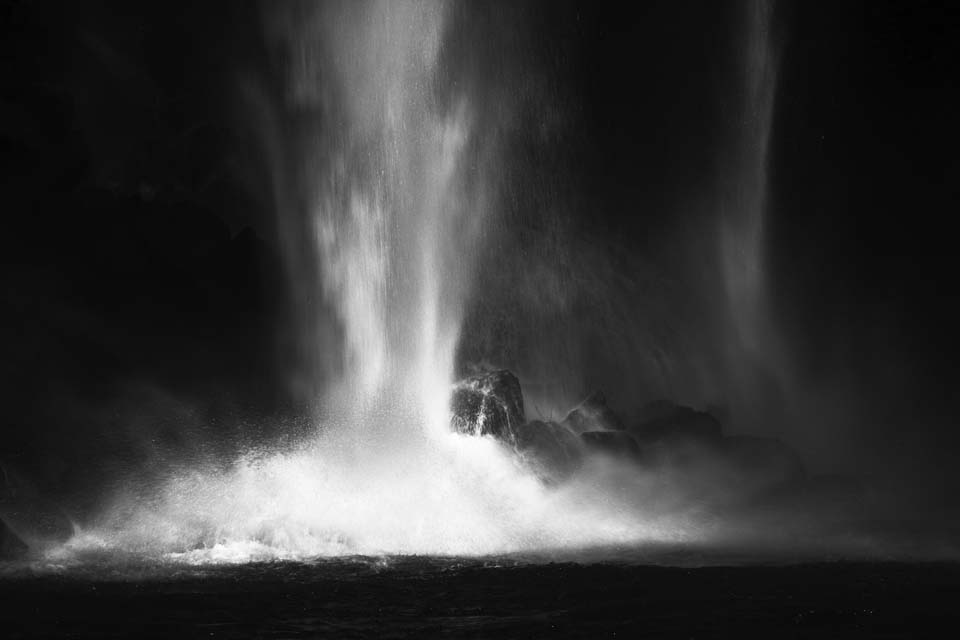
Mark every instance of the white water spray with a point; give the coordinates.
(394, 225)
(397, 191)
(396, 176)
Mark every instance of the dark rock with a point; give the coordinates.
(554, 450)
(489, 403)
(664, 421)
(593, 414)
(618, 444)
(657, 410)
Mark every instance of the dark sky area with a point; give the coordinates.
(142, 286)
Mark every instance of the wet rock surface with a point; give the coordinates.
(488, 403)
(618, 444)
(593, 414)
(663, 421)
(661, 436)
(553, 450)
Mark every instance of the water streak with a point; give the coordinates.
(753, 353)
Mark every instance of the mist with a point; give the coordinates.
(239, 305)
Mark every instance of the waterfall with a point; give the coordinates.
(753, 353)
(387, 186)
(394, 197)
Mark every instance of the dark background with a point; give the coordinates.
(144, 300)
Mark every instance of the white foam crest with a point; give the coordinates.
(455, 495)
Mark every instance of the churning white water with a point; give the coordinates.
(395, 174)
(397, 201)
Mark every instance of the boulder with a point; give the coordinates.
(664, 421)
(617, 444)
(552, 449)
(488, 403)
(656, 410)
(593, 414)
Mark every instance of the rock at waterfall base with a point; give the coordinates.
(488, 403)
(617, 444)
(682, 441)
(665, 421)
(593, 414)
(552, 449)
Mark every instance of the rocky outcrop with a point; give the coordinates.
(488, 403)
(616, 444)
(665, 421)
(550, 448)
(672, 438)
(593, 414)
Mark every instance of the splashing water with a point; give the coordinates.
(397, 195)
(397, 173)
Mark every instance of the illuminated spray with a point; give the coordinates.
(397, 178)
(396, 196)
